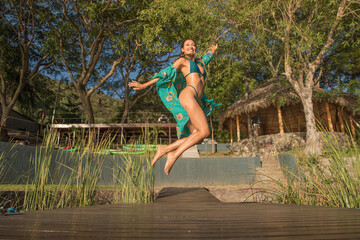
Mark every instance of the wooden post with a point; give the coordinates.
(98, 137)
(169, 135)
(212, 136)
(238, 127)
(281, 124)
(122, 135)
(58, 140)
(331, 127)
(73, 138)
(352, 125)
(341, 120)
(231, 135)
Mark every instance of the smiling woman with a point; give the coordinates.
(181, 88)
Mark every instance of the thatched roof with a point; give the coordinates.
(278, 91)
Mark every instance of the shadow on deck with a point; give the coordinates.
(180, 213)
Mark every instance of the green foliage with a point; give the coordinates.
(10, 56)
(134, 176)
(329, 180)
(222, 136)
(69, 109)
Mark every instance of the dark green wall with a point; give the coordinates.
(207, 171)
(186, 171)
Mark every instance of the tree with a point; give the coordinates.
(341, 70)
(81, 40)
(21, 48)
(149, 44)
(305, 31)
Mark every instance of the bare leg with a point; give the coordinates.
(199, 122)
(161, 151)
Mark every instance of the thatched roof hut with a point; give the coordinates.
(280, 110)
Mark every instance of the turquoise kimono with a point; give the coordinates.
(169, 88)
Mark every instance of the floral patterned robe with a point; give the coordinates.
(169, 88)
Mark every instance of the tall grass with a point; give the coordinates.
(332, 179)
(71, 179)
(133, 175)
(74, 181)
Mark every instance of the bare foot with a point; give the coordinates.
(159, 153)
(170, 160)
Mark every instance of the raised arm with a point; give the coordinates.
(139, 86)
(213, 48)
(209, 55)
(178, 64)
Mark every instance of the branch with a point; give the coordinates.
(103, 80)
(320, 74)
(83, 57)
(139, 97)
(93, 61)
(3, 93)
(62, 55)
(330, 39)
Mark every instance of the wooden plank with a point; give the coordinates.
(185, 195)
(230, 129)
(280, 119)
(113, 125)
(327, 107)
(168, 220)
(339, 110)
(238, 128)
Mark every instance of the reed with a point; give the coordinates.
(133, 174)
(332, 179)
(74, 181)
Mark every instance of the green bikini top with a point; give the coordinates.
(195, 68)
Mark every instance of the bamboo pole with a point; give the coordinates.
(212, 136)
(238, 128)
(352, 125)
(98, 137)
(341, 120)
(281, 124)
(169, 135)
(122, 136)
(231, 135)
(331, 127)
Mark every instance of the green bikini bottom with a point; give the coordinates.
(197, 96)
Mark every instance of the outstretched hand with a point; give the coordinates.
(136, 85)
(139, 86)
(213, 48)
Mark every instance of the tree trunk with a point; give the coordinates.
(4, 136)
(313, 141)
(85, 100)
(126, 111)
(250, 132)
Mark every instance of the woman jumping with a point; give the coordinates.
(181, 88)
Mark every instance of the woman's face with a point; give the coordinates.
(189, 47)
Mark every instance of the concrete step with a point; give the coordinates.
(192, 152)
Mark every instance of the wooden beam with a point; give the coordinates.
(98, 137)
(122, 135)
(169, 135)
(238, 128)
(352, 125)
(231, 135)
(331, 127)
(280, 118)
(341, 119)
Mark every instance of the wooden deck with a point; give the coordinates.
(185, 214)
